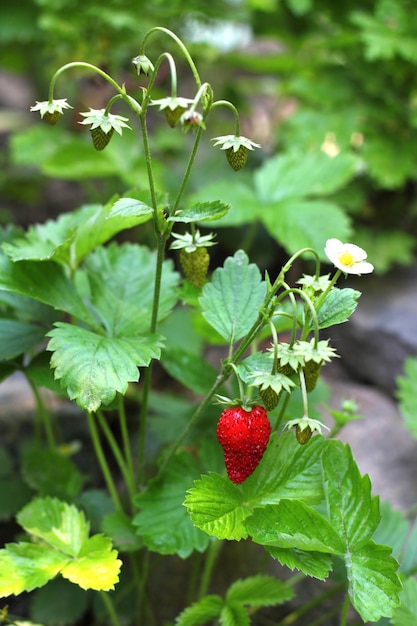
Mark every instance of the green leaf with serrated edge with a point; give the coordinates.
(121, 287)
(217, 506)
(309, 174)
(298, 223)
(373, 582)
(231, 300)
(59, 603)
(96, 567)
(392, 531)
(353, 511)
(118, 526)
(258, 362)
(52, 474)
(26, 566)
(245, 206)
(259, 591)
(162, 521)
(201, 612)
(16, 338)
(406, 614)
(316, 564)
(62, 526)
(130, 207)
(293, 524)
(14, 494)
(189, 369)
(93, 368)
(234, 614)
(407, 396)
(45, 281)
(202, 212)
(287, 470)
(337, 307)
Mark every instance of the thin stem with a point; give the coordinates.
(44, 415)
(211, 556)
(303, 392)
(294, 615)
(345, 611)
(125, 434)
(98, 449)
(127, 475)
(187, 171)
(282, 411)
(329, 287)
(180, 44)
(232, 107)
(110, 608)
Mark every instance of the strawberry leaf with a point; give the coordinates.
(26, 566)
(16, 338)
(316, 564)
(234, 614)
(201, 612)
(52, 474)
(230, 301)
(202, 212)
(337, 307)
(259, 591)
(96, 567)
(406, 614)
(162, 521)
(93, 368)
(58, 604)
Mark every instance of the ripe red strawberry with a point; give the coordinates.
(244, 436)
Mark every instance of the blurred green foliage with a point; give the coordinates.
(316, 76)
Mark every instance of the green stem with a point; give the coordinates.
(232, 107)
(211, 556)
(281, 414)
(44, 415)
(294, 615)
(345, 610)
(127, 475)
(125, 435)
(98, 449)
(329, 287)
(187, 171)
(110, 608)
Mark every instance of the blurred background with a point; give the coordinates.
(328, 89)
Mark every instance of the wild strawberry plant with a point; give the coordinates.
(92, 318)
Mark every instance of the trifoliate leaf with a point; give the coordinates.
(337, 307)
(231, 300)
(52, 474)
(93, 368)
(162, 520)
(259, 591)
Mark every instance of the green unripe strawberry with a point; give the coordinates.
(195, 265)
(303, 435)
(286, 369)
(173, 115)
(269, 398)
(100, 138)
(237, 159)
(311, 374)
(52, 118)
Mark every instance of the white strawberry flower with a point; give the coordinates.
(98, 118)
(51, 110)
(348, 257)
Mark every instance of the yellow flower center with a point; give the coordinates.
(346, 259)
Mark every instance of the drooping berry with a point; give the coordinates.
(100, 137)
(311, 374)
(269, 398)
(195, 265)
(52, 118)
(237, 159)
(244, 436)
(303, 435)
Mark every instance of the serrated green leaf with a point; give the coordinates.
(230, 301)
(130, 207)
(16, 338)
(45, 281)
(93, 368)
(373, 583)
(62, 526)
(292, 524)
(59, 603)
(202, 212)
(259, 591)
(245, 206)
(353, 511)
(407, 396)
(201, 612)
(287, 470)
(118, 526)
(121, 287)
(312, 173)
(52, 474)
(392, 531)
(189, 369)
(337, 307)
(26, 566)
(234, 614)
(96, 567)
(316, 564)
(406, 614)
(297, 223)
(217, 506)
(162, 521)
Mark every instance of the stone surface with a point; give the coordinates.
(382, 331)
